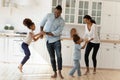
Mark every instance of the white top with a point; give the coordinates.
(93, 33)
(28, 38)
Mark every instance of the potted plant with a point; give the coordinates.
(6, 27)
(11, 28)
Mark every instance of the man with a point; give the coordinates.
(52, 26)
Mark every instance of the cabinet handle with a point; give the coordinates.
(107, 49)
(115, 43)
(68, 46)
(107, 38)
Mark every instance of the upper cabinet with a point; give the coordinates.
(74, 10)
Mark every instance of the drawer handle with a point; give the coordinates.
(107, 49)
(68, 46)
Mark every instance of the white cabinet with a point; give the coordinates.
(109, 56)
(106, 56)
(82, 61)
(74, 10)
(116, 54)
(67, 52)
(40, 47)
(109, 17)
(2, 47)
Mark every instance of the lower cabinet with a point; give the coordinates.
(2, 47)
(67, 52)
(108, 55)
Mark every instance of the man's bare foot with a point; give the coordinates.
(60, 75)
(20, 69)
(54, 76)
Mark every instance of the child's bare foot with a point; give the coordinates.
(54, 76)
(60, 75)
(20, 69)
(72, 76)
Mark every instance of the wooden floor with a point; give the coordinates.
(9, 71)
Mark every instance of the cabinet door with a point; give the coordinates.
(41, 51)
(116, 58)
(82, 61)
(2, 46)
(67, 51)
(108, 14)
(106, 56)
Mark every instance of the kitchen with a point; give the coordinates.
(106, 14)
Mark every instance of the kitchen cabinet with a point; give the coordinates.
(108, 14)
(2, 46)
(74, 10)
(116, 53)
(106, 56)
(40, 47)
(67, 52)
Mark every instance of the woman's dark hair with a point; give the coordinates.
(76, 38)
(27, 22)
(89, 18)
(59, 8)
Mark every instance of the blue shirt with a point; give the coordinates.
(54, 25)
(77, 52)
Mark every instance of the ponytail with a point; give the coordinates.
(89, 18)
(93, 21)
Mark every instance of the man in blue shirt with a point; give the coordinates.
(52, 26)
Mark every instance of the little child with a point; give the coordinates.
(30, 36)
(77, 55)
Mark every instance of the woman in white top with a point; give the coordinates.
(25, 45)
(93, 39)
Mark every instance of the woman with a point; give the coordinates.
(93, 39)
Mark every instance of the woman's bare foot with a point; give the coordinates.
(54, 76)
(60, 74)
(86, 73)
(94, 71)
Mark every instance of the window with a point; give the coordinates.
(96, 11)
(55, 3)
(91, 8)
(70, 11)
(82, 10)
(74, 10)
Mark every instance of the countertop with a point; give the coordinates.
(63, 38)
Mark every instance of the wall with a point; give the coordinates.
(15, 16)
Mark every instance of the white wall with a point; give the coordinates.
(15, 16)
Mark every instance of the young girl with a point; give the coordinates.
(77, 55)
(25, 45)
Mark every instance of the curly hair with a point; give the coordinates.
(76, 38)
(27, 22)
